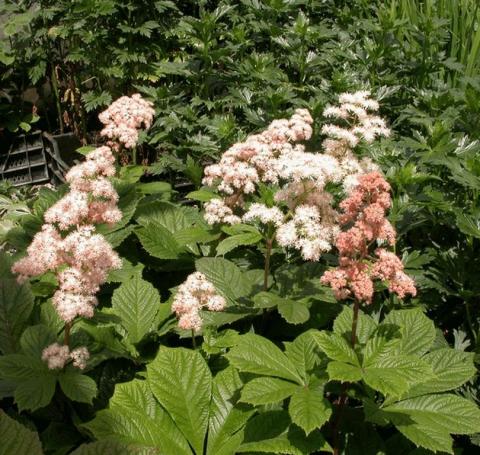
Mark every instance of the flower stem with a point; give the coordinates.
(194, 343)
(343, 398)
(266, 272)
(66, 338)
(134, 155)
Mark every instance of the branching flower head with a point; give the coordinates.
(364, 215)
(57, 356)
(68, 244)
(195, 294)
(124, 118)
(309, 232)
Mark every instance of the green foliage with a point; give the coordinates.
(136, 302)
(16, 304)
(18, 439)
(274, 367)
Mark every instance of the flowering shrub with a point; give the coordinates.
(273, 317)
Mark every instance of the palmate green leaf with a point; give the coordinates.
(16, 367)
(35, 338)
(35, 393)
(168, 215)
(343, 372)
(127, 272)
(227, 278)
(230, 243)
(16, 304)
(336, 347)
(294, 312)
(267, 390)
(77, 386)
(227, 419)
(103, 448)
(136, 302)
(304, 353)
(451, 369)
(382, 343)
(195, 234)
(394, 374)
(92, 100)
(154, 187)
(265, 300)
(428, 437)
(17, 439)
(181, 381)
(159, 241)
(272, 432)
(343, 325)
(417, 330)
(115, 238)
(256, 354)
(309, 409)
(134, 418)
(428, 420)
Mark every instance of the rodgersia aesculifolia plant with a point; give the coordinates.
(292, 246)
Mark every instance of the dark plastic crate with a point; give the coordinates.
(26, 161)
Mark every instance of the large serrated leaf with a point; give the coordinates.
(78, 387)
(167, 215)
(429, 420)
(343, 372)
(16, 439)
(35, 338)
(103, 448)
(304, 353)
(227, 418)
(418, 331)
(309, 409)
(227, 278)
(451, 369)
(18, 366)
(230, 243)
(336, 347)
(256, 354)
(343, 325)
(136, 302)
(159, 242)
(267, 390)
(16, 305)
(35, 393)
(134, 418)
(294, 312)
(394, 374)
(181, 381)
(271, 432)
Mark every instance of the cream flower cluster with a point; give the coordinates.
(274, 157)
(310, 231)
(69, 246)
(124, 118)
(193, 295)
(92, 197)
(358, 122)
(248, 163)
(57, 356)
